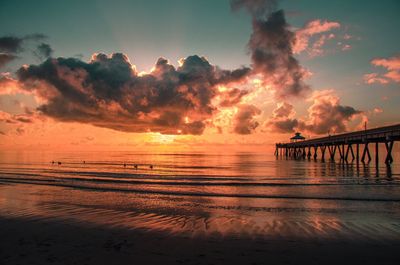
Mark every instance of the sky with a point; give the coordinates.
(242, 74)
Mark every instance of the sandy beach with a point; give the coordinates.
(207, 212)
(49, 242)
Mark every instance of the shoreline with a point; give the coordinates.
(30, 241)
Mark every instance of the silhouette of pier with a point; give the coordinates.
(347, 147)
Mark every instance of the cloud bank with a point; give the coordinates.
(109, 92)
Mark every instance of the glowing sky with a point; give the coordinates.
(240, 73)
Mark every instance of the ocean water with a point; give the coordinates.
(205, 194)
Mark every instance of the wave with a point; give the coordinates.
(199, 194)
(186, 182)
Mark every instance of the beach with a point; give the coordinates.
(48, 242)
(196, 209)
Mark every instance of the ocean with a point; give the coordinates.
(200, 194)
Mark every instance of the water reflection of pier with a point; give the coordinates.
(341, 146)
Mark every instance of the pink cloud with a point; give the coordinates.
(346, 47)
(374, 78)
(312, 28)
(347, 37)
(394, 75)
(392, 65)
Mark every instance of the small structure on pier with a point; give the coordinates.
(297, 137)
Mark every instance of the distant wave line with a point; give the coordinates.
(205, 194)
(187, 183)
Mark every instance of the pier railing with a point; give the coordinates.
(344, 144)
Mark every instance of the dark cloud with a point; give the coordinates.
(244, 120)
(109, 92)
(286, 125)
(6, 58)
(271, 46)
(13, 44)
(257, 8)
(35, 37)
(10, 46)
(44, 51)
(271, 52)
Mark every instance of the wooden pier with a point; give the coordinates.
(347, 147)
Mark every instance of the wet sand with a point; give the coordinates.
(30, 241)
(234, 209)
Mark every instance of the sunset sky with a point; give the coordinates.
(194, 74)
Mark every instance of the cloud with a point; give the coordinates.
(15, 118)
(314, 27)
(374, 78)
(6, 58)
(8, 85)
(10, 46)
(44, 51)
(244, 122)
(346, 47)
(377, 110)
(272, 56)
(282, 119)
(232, 97)
(109, 92)
(326, 114)
(392, 65)
(257, 8)
(271, 50)
(20, 131)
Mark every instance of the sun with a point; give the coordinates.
(162, 138)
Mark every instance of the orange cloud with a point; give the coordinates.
(244, 121)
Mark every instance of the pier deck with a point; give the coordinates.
(343, 144)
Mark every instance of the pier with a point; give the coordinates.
(346, 147)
